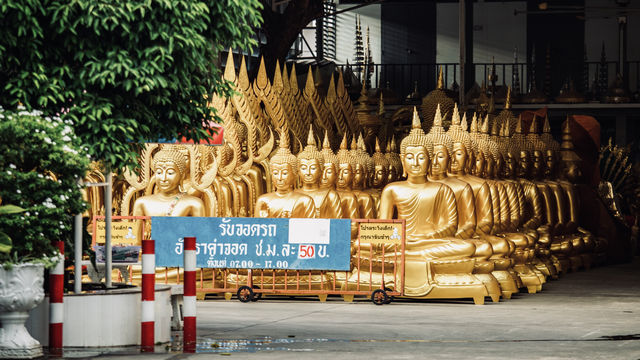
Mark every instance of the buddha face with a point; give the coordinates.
(537, 167)
(415, 161)
(479, 165)
(509, 166)
(471, 162)
(345, 175)
(440, 161)
(283, 176)
(571, 170)
(329, 175)
(550, 160)
(359, 175)
(458, 159)
(523, 168)
(309, 171)
(380, 176)
(393, 174)
(491, 168)
(168, 177)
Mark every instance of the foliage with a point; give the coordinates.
(39, 172)
(5, 240)
(124, 71)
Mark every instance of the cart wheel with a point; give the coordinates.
(245, 294)
(391, 298)
(379, 297)
(256, 295)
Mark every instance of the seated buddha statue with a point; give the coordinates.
(437, 265)
(462, 146)
(524, 238)
(569, 174)
(284, 202)
(360, 176)
(169, 168)
(379, 176)
(465, 202)
(535, 146)
(330, 165)
(310, 162)
(348, 200)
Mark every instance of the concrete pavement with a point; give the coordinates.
(589, 314)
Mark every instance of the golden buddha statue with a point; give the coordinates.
(462, 147)
(326, 199)
(395, 165)
(284, 202)
(465, 202)
(330, 166)
(348, 200)
(380, 175)
(169, 169)
(436, 264)
(438, 97)
(360, 176)
(583, 241)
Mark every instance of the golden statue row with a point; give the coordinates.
(488, 211)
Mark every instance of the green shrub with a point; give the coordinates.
(40, 168)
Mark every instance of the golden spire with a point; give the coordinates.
(485, 125)
(325, 142)
(507, 129)
(507, 101)
(261, 80)
(340, 88)
(440, 79)
(464, 125)
(277, 77)
(243, 76)
(311, 140)
(230, 68)
(284, 137)
(343, 144)
(567, 139)
(415, 122)
(331, 91)
(494, 129)
(546, 128)
(285, 77)
(455, 118)
(519, 125)
(293, 80)
(310, 86)
(393, 141)
(532, 128)
(354, 143)
(437, 120)
(377, 149)
(474, 124)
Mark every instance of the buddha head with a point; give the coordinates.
(510, 152)
(360, 163)
(462, 145)
(380, 168)
(477, 162)
(536, 151)
(570, 162)
(169, 168)
(330, 166)
(310, 162)
(345, 167)
(395, 165)
(484, 143)
(414, 151)
(284, 165)
(551, 146)
(523, 167)
(442, 147)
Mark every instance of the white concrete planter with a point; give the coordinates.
(20, 291)
(104, 318)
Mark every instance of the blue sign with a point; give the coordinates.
(255, 243)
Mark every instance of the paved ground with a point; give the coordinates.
(588, 315)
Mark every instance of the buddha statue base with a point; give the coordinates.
(529, 278)
(424, 279)
(508, 284)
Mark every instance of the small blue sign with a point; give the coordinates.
(255, 243)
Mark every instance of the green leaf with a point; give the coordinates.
(5, 243)
(10, 209)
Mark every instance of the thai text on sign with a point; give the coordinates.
(122, 232)
(255, 243)
(381, 233)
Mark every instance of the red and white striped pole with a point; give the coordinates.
(148, 296)
(189, 297)
(56, 305)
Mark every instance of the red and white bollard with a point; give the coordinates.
(189, 297)
(56, 305)
(148, 296)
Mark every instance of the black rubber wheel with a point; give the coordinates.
(245, 294)
(256, 295)
(379, 297)
(391, 298)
